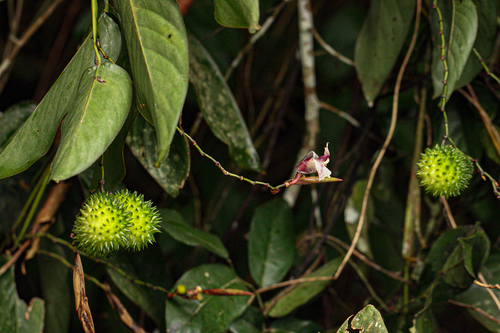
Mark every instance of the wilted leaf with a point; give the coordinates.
(368, 320)
(219, 108)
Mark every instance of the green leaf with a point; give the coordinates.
(174, 171)
(479, 297)
(146, 266)
(57, 289)
(157, 46)
(213, 313)
(459, 19)
(368, 320)
(101, 108)
(251, 321)
(271, 248)
(381, 39)
(219, 106)
(174, 225)
(16, 316)
(34, 139)
(238, 14)
(113, 159)
(12, 119)
(295, 325)
(303, 292)
(487, 23)
(475, 249)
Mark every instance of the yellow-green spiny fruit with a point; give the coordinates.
(102, 226)
(444, 170)
(144, 218)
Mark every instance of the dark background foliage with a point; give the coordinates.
(268, 88)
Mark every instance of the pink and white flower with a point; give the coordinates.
(312, 163)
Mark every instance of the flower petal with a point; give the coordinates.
(323, 171)
(307, 165)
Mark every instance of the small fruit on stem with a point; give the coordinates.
(444, 170)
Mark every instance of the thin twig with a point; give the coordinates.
(331, 50)
(478, 310)
(385, 145)
(448, 212)
(490, 292)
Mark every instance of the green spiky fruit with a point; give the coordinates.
(102, 226)
(144, 218)
(444, 170)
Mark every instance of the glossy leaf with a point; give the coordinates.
(16, 316)
(219, 107)
(12, 119)
(101, 107)
(174, 171)
(368, 320)
(212, 313)
(476, 249)
(486, 30)
(381, 39)
(113, 159)
(303, 292)
(174, 225)
(479, 297)
(271, 249)
(459, 17)
(238, 14)
(34, 139)
(146, 266)
(157, 47)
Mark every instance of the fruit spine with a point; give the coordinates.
(444, 170)
(109, 223)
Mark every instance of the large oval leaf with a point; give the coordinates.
(303, 292)
(174, 225)
(486, 30)
(213, 313)
(271, 249)
(238, 14)
(157, 46)
(380, 41)
(219, 106)
(460, 29)
(174, 171)
(34, 139)
(101, 107)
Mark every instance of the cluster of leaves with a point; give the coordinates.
(118, 112)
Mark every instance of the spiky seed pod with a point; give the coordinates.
(444, 170)
(102, 226)
(144, 218)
